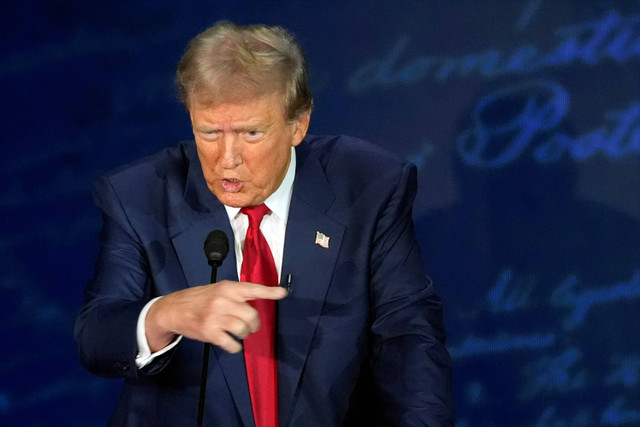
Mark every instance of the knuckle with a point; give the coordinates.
(239, 328)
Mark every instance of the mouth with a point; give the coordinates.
(232, 185)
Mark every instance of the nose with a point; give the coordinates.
(231, 156)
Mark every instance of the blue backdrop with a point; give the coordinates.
(524, 120)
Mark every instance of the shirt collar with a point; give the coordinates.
(279, 201)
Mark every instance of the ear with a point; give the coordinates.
(301, 127)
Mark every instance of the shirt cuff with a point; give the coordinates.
(145, 356)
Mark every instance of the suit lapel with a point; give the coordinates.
(205, 214)
(311, 267)
(201, 214)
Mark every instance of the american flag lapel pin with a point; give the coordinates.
(322, 240)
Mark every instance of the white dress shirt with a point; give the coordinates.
(273, 227)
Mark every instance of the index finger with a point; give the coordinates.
(251, 291)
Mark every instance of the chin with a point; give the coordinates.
(234, 202)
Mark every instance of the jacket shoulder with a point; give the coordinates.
(350, 159)
(150, 184)
(168, 164)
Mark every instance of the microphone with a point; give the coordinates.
(216, 248)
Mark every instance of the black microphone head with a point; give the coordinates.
(216, 247)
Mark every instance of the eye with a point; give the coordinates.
(210, 135)
(253, 135)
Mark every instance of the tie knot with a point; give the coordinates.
(255, 213)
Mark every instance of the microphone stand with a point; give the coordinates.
(205, 362)
(216, 247)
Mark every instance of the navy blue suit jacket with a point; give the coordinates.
(360, 338)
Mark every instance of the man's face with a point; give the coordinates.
(245, 147)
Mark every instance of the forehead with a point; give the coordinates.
(240, 110)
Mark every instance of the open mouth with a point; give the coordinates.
(232, 185)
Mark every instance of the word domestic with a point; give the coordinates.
(611, 37)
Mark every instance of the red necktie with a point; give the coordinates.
(259, 348)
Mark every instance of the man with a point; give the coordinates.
(357, 338)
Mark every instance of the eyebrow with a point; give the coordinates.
(204, 128)
(241, 128)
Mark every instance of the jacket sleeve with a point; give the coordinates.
(105, 330)
(411, 366)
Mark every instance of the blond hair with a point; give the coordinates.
(227, 61)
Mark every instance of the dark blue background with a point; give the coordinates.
(524, 120)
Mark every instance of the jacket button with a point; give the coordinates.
(121, 366)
